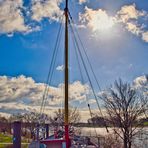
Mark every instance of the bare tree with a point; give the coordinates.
(5, 126)
(30, 120)
(111, 141)
(124, 107)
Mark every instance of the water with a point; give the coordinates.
(140, 140)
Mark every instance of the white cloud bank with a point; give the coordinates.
(128, 12)
(13, 20)
(46, 9)
(22, 94)
(26, 90)
(11, 17)
(141, 83)
(96, 20)
(128, 16)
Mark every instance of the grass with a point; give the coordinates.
(5, 138)
(8, 139)
(11, 146)
(145, 123)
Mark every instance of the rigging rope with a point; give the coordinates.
(51, 68)
(52, 72)
(77, 56)
(85, 53)
(75, 47)
(89, 79)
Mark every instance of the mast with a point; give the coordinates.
(66, 77)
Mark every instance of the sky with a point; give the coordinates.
(114, 34)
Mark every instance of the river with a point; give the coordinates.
(140, 139)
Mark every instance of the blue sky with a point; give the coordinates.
(115, 34)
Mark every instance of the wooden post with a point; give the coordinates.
(37, 132)
(17, 134)
(47, 130)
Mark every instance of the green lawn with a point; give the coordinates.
(10, 146)
(8, 139)
(145, 123)
(5, 138)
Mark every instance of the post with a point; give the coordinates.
(47, 130)
(99, 142)
(37, 133)
(17, 134)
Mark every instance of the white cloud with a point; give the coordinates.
(129, 12)
(19, 88)
(96, 20)
(60, 68)
(78, 91)
(145, 36)
(82, 1)
(141, 81)
(23, 93)
(128, 16)
(11, 17)
(7, 109)
(141, 84)
(133, 28)
(26, 90)
(46, 9)
(92, 101)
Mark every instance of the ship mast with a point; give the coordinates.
(66, 77)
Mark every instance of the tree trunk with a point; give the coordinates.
(125, 141)
(130, 144)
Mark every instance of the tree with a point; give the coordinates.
(97, 120)
(111, 141)
(3, 119)
(57, 121)
(124, 107)
(5, 126)
(30, 120)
